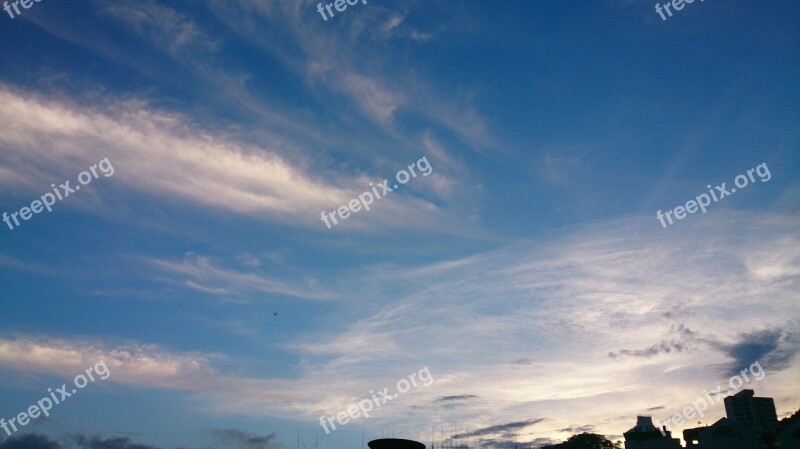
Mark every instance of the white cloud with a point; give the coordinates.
(131, 364)
(164, 155)
(202, 274)
(163, 27)
(560, 306)
(660, 297)
(375, 101)
(328, 55)
(393, 22)
(158, 153)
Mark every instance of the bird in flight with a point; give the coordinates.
(276, 313)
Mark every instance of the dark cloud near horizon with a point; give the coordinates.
(522, 362)
(242, 440)
(493, 443)
(577, 429)
(29, 441)
(658, 348)
(679, 344)
(461, 397)
(108, 443)
(461, 400)
(774, 349)
(503, 428)
(78, 441)
(222, 438)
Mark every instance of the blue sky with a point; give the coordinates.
(528, 271)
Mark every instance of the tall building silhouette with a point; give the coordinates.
(751, 423)
(745, 409)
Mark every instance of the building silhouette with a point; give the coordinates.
(647, 436)
(789, 432)
(395, 443)
(749, 411)
(723, 434)
(751, 423)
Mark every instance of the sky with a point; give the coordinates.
(546, 270)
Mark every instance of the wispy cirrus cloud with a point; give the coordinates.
(201, 273)
(132, 364)
(156, 152)
(16, 264)
(161, 153)
(372, 83)
(589, 292)
(297, 144)
(162, 26)
(494, 307)
(198, 375)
